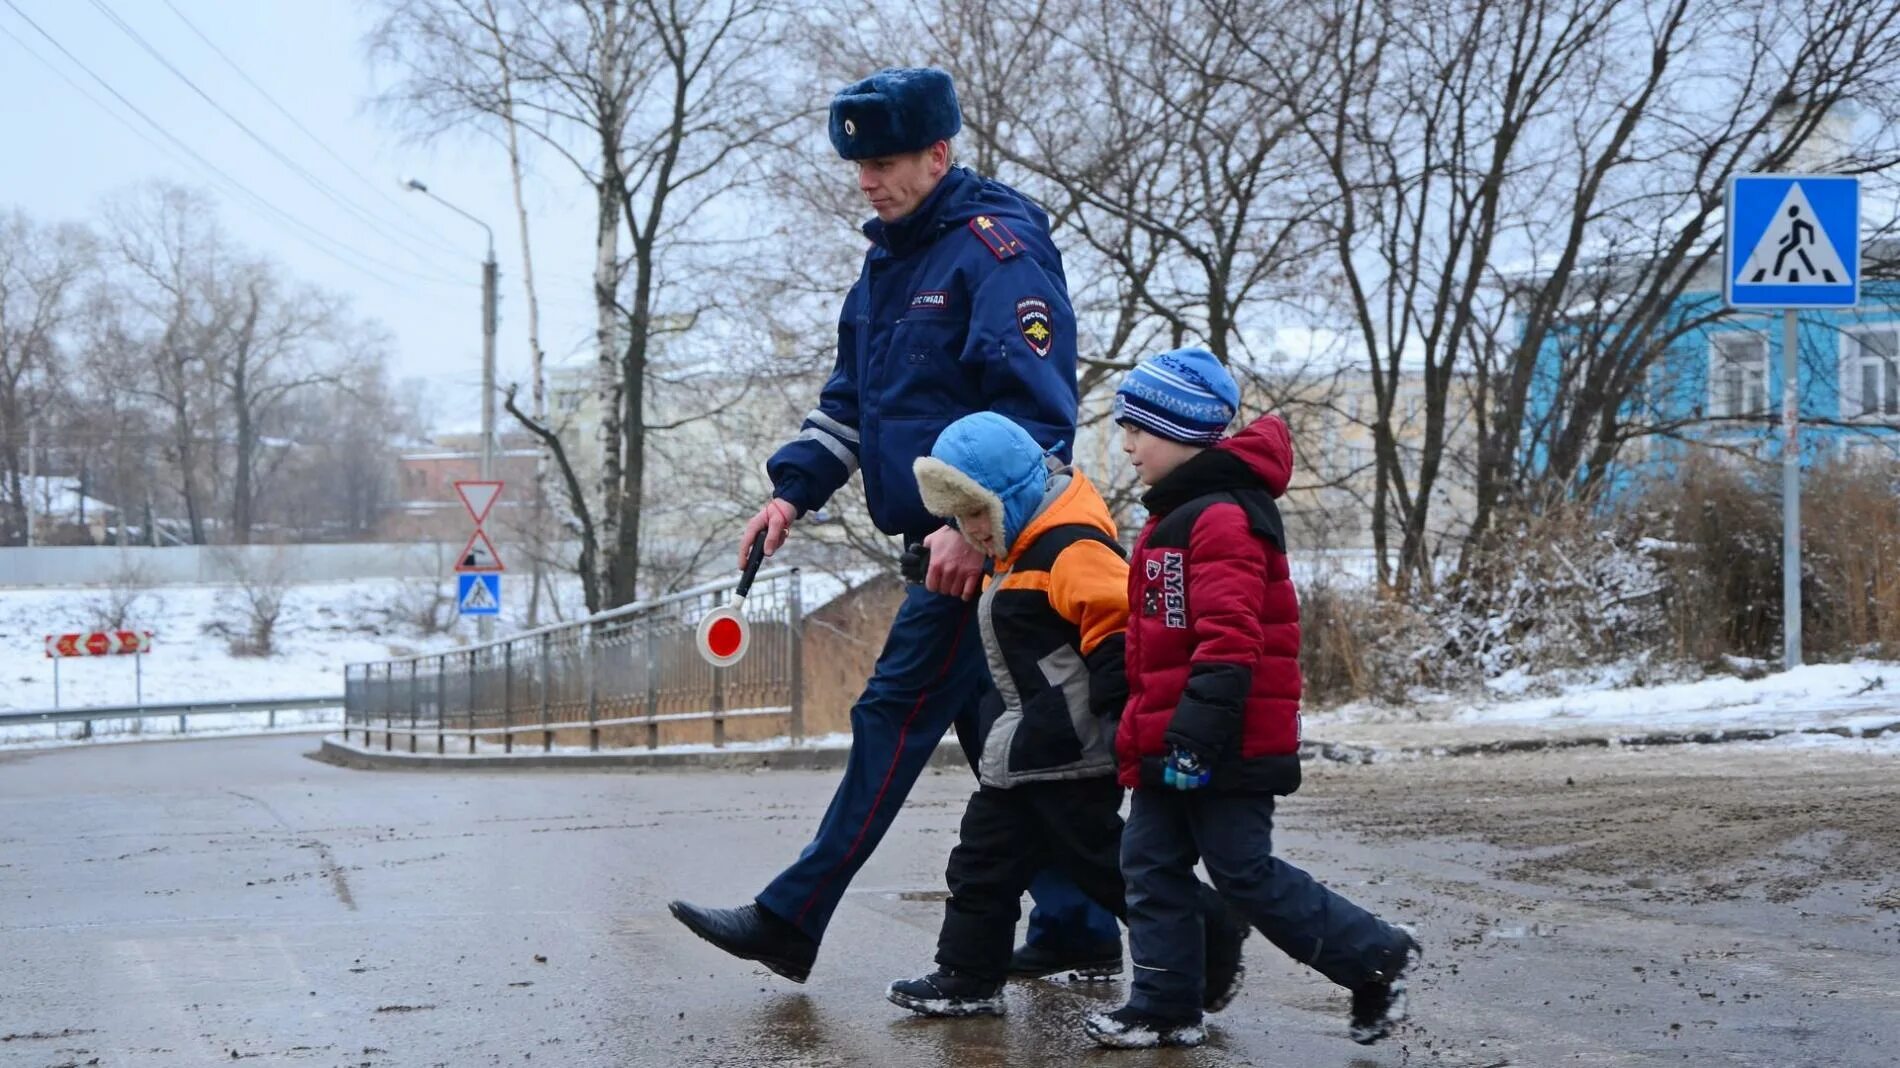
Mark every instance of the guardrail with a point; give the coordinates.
(183, 711)
(622, 674)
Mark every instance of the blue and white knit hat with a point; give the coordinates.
(1184, 395)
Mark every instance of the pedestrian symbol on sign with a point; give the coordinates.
(1792, 241)
(478, 595)
(1792, 251)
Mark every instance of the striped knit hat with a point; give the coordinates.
(1184, 395)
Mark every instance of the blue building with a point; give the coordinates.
(1717, 387)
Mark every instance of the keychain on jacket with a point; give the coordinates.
(1183, 770)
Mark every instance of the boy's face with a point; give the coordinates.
(1153, 456)
(976, 526)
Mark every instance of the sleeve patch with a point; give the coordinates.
(1036, 324)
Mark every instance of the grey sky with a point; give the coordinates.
(64, 153)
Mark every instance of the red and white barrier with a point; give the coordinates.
(99, 643)
(132, 643)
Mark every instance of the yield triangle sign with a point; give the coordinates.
(479, 555)
(478, 498)
(1795, 249)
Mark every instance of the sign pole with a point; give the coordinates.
(486, 626)
(1790, 493)
(56, 684)
(1791, 241)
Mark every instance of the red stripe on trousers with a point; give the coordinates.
(897, 755)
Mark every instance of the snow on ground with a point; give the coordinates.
(1859, 694)
(323, 627)
(157, 728)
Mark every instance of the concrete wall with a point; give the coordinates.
(84, 565)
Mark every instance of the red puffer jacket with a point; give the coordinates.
(1214, 627)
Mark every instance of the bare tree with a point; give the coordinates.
(42, 269)
(1490, 161)
(271, 350)
(657, 108)
(173, 256)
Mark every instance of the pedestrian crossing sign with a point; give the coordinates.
(1793, 241)
(478, 594)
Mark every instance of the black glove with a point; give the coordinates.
(1208, 717)
(914, 565)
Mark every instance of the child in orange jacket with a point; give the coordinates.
(1052, 621)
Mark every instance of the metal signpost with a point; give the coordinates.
(1792, 241)
(479, 567)
(132, 643)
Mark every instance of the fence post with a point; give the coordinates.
(592, 636)
(653, 682)
(441, 702)
(508, 697)
(389, 709)
(547, 686)
(415, 701)
(795, 725)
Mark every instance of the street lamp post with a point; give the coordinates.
(489, 270)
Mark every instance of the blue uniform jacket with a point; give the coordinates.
(961, 307)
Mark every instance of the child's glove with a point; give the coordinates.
(1184, 770)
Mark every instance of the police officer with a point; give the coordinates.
(961, 307)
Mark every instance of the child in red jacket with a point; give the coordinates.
(1212, 729)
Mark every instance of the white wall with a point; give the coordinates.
(84, 565)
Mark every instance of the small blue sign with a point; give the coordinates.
(478, 594)
(1793, 241)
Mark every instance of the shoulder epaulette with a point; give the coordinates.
(991, 231)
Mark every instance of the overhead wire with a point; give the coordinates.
(378, 225)
(130, 126)
(421, 232)
(316, 238)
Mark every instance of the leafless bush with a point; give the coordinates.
(426, 605)
(1851, 566)
(126, 599)
(260, 584)
(1717, 529)
(1359, 643)
(1561, 589)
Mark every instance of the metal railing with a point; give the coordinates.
(182, 711)
(624, 674)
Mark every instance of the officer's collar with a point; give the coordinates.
(931, 218)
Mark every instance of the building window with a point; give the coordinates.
(1870, 372)
(1738, 375)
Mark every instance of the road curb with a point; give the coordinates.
(949, 755)
(1351, 753)
(350, 755)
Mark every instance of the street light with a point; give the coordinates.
(488, 329)
(487, 626)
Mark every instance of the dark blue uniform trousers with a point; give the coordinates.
(1167, 831)
(931, 676)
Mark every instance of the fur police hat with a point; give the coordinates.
(896, 110)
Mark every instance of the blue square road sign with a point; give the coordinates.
(1792, 241)
(478, 594)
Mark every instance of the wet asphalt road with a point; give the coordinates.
(212, 902)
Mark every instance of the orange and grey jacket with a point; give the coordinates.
(1053, 619)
